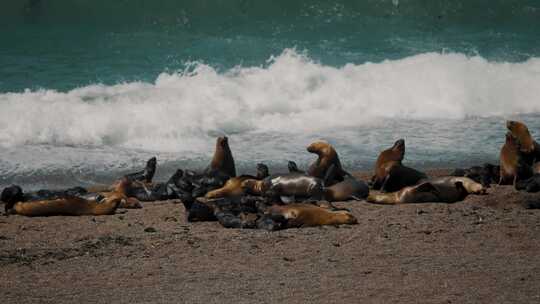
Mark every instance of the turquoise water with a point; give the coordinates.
(89, 89)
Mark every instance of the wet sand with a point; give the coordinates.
(482, 250)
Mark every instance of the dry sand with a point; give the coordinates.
(482, 250)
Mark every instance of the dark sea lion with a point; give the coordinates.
(145, 175)
(327, 159)
(446, 189)
(67, 206)
(293, 167)
(223, 160)
(233, 186)
(486, 175)
(399, 176)
(386, 160)
(284, 186)
(349, 189)
(308, 215)
(513, 166)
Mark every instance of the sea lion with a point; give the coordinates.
(145, 175)
(386, 160)
(293, 167)
(513, 167)
(486, 175)
(307, 215)
(67, 206)
(286, 186)
(448, 182)
(349, 189)
(233, 186)
(223, 160)
(327, 159)
(400, 176)
(520, 131)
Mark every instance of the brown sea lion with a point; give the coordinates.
(349, 189)
(520, 131)
(233, 186)
(307, 215)
(327, 166)
(421, 193)
(286, 186)
(386, 160)
(68, 206)
(512, 164)
(223, 160)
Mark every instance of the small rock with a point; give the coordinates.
(150, 229)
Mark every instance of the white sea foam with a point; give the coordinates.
(291, 93)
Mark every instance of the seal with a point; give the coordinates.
(386, 160)
(349, 189)
(293, 167)
(67, 206)
(222, 160)
(512, 164)
(233, 186)
(446, 189)
(145, 175)
(288, 187)
(486, 175)
(400, 176)
(520, 131)
(307, 215)
(327, 166)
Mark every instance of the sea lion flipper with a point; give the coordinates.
(330, 175)
(428, 187)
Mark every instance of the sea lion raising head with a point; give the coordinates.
(386, 160)
(327, 160)
(223, 160)
(513, 166)
(520, 132)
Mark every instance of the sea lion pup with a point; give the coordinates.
(287, 187)
(223, 160)
(513, 166)
(307, 215)
(327, 156)
(145, 175)
(386, 160)
(233, 187)
(486, 175)
(349, 189)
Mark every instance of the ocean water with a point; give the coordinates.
(90, 89)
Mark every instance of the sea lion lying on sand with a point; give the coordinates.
(287, 187)
(308, 215)
(233, 186)
(486, 175)
(443, 189)
(349, 189)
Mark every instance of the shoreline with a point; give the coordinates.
(477, 250)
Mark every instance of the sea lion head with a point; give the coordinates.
(510, 139)
(318, 147)
(222, 142)
(399, 146)
(262, 171)
(346, 217)
(253, 186)
(520, 131)
(11, 195)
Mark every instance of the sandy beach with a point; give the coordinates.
(482, 250)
